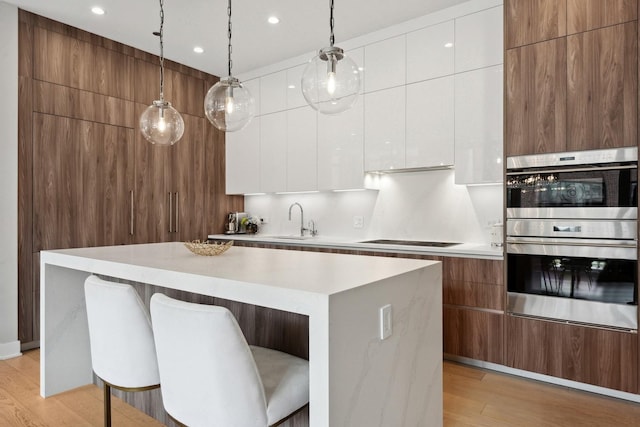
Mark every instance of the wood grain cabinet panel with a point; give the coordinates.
(82, 183)
(188, 181)
(70, 62)
(64, 101)
(595, 356)
(473, 333)
(536, 90)
(472, 282)
(602, 92)
(531, 21)
(585, 15)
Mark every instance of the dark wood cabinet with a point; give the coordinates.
(87, 176)
(475, 334)
(574, 92)
(585, 15)
(602, 88)
(473, 298)
(531, 21)
(601, 357)
(82, 183)
(535, 98)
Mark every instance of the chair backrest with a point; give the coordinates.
(207, 370)
(122, 348)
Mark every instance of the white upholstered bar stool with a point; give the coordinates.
(123, 353)
(211, 377)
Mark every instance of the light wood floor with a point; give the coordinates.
(472, 397)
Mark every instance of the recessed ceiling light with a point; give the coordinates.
(273, 20)
(449, 44)
(97, 10)
(198, 49)
(291, 86)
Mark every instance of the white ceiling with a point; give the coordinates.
(303, 27)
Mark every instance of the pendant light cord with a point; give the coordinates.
(230, 63)
(160, 34)
(331, 22)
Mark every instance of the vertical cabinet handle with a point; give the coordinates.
(170, 211)
(175, 229)
(131, 214)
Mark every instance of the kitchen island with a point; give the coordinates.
(356, 378)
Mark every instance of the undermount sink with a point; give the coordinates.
(292, 237)
(411, 243)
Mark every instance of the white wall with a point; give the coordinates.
(9, 344)
(414, 205)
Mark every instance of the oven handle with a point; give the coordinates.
(589, 169)
(605, 243)
(603, 250)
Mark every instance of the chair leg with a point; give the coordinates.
(107, 405)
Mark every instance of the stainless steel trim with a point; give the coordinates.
(170, 211)
(177, 212)
(583, 250)
(470, 307)
(578, 213)
(585, 169)
(559, 228)
(587, 157)
(574, 310)
(131, 214)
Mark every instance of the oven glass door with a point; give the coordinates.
(585, 278)
(573, 188)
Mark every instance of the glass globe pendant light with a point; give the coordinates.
(331, 80)
(229, 105)
(161, 123)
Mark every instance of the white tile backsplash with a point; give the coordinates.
(414, 205)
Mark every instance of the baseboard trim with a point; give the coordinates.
(9, 350)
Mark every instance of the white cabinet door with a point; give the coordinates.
(430, 124)
(341, 149)
(302, 156)
(384, 129)
(273, 92)
(294, 87)
(385, 64)
(478, 117)
(273, 152)
(479, 40)
(430, 52)
(243, 159)
(253, 86)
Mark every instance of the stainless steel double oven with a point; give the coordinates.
(571, 237)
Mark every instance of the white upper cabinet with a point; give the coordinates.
(295, 98)
(273, 92)
(273, 152)
(341, 149)
(430, 124)
(253, 86)
(385, 64)
(478, 126)
(479, 40)
(243, 159)
(430, 52)
(384, 129)
(302, 156)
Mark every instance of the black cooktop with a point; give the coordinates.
(411, 243)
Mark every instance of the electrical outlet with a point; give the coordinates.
(386, 324)
(358, 221)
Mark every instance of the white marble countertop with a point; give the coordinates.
(308, 272)
(465, 250)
